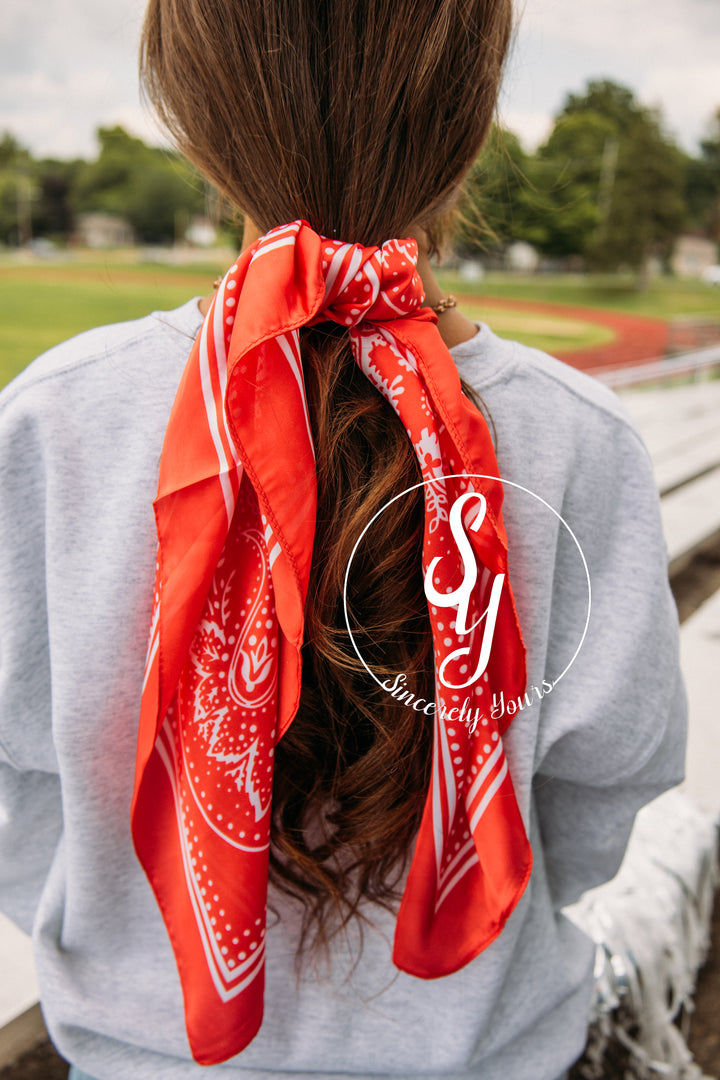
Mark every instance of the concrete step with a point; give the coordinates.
(700, 658)
(18, 985)
(656, 410)
(681, 429)
(690, 516)
(21, 1022)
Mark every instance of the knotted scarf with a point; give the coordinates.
(235, 514)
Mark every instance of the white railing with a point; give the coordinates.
(691, 364)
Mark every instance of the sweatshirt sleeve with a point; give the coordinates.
(30, 803)
(612, 735)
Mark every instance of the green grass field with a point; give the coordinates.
(552, 333)
(45, 303)
(666, 298)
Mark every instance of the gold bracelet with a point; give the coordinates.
(444, 304)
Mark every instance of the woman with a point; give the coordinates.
(371, 678)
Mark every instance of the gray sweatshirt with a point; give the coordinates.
(80, 437)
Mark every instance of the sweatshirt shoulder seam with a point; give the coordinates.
(10, 394)
(516, 367)
(598, 407)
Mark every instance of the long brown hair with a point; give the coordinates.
(362, 117)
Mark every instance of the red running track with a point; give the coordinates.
(638, 338)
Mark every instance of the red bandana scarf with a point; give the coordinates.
(235, 514)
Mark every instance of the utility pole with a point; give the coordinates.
(24, 205)
(608, 172)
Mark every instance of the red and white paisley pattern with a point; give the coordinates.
(235, 515)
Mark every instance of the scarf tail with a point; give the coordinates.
(236, 519)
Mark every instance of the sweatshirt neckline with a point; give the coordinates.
(489, 355)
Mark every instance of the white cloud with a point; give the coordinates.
(532, 126)
(138, 121)
(631, 27)
(665, 50)
(688, 97)
(56, 114)
(66, 69)
(69, 66)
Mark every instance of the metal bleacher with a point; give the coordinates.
(681, 427)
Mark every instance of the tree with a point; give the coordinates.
(151, 188)
(647, 210)
(702, 183)
(16, 191)
(603, 97)
(502, 202)
(571, 171)
(52, 211)
(618, 196)
(11, 151)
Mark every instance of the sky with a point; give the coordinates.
(69, 66)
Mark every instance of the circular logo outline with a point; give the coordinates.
(468, 476)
